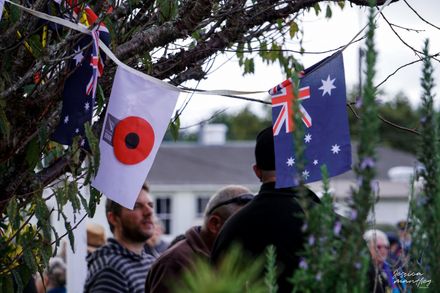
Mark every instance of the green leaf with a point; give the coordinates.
(27, 89)
(95, 197)
(35, 44)
(175, 126)
(5, 127)
(293, 29)
(29, 259)
(12, 212)
(196, 35)
(32, 153)
(56, 238)
(6, 283)
(146, 61)
(18, 281)
(84, 202)
(69, 232)
(168, 9)
(341, 4)
(70, 235)
(328, 12)
(14, 12)
(100, 99)
(42, 213)
(93, 143)
(249, 66)
(280, 23)
(317, 9)
(73, 196)
(45, 251)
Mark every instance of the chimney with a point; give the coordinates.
(212, 134)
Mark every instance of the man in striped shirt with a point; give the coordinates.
(122, 264)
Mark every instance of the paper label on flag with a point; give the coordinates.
(136, 120)
(322, 96)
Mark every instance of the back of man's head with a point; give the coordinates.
(225, 195)
(264, 150)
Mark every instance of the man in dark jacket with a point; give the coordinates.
(272, 218)
(122, 264)
(166, 272)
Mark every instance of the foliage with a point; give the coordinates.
(235, 123)
(425, 206)
(335, 256)
(397, 111)
(235, 274)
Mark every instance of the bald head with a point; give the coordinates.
(223, 204)
(224, 195)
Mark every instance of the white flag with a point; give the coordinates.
(2, 3)
(137, 117)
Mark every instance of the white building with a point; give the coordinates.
(185, 175)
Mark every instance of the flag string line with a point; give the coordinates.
(227, 93)
(83, 29)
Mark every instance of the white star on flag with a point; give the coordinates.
(66, 119)
(335, 149)
(87, 106)
(305, 174)
(308, 138)
(290, 162)
(76, 130)
(327, 86)
(315, 162)
(78, 56)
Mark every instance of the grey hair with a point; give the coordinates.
(371, 235)
(56, 272)
(226, 193)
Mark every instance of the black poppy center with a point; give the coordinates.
(131, 140)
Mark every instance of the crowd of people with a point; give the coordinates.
(137, 259)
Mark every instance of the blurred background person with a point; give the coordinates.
(382, 277)
(95, 237)
(54, 277)
(156, 244)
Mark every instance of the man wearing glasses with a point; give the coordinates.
(166, 272)
(272, 218)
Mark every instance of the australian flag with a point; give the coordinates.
(326, 139)
(79, 91)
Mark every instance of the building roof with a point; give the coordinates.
(231, 163)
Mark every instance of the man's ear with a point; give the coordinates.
(258, 172)
(215, 223)
(111, 218)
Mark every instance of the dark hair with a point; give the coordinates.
(115, 208)
(264, 150)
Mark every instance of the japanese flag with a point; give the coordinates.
(136, 120)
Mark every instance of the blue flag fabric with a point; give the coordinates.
(79, 88)
(322, 97)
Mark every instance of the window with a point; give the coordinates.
(163, 212)
(202, 201)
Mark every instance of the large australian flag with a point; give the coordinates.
(322, 96)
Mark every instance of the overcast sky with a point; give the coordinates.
(322, 34)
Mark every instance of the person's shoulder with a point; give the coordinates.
(174, 254)
(106, 279)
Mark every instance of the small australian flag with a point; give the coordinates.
(80, 87)
(322, 96)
